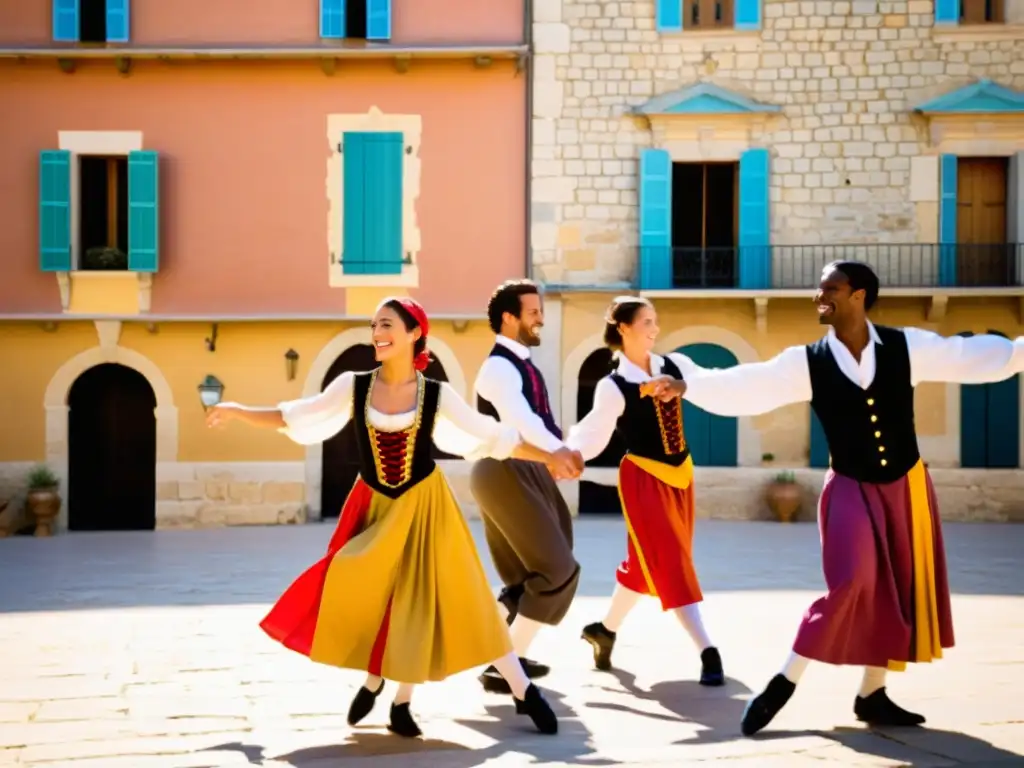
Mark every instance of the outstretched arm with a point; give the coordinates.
(962, 359)
(752, 388)
(591, 435)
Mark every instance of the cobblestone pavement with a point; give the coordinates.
(142, 651)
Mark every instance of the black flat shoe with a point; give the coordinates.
(363, 703)
(602, 640)
(493, 682)
(402, 722)
(766, 705)
(879, 709)
(711, 672)
(536, 706)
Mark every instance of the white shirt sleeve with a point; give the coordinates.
(591, 435)
(464, 431)
(502, 385)
(752, 388)
(685, 365)
(962, 359)
(320, 417)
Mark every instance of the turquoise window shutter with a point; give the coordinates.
(372, 228)
(655, 256)
(378, 19)
(755, 254)
(332, 19)
(748, 14)
(947, 220)
(65, 21)
(143, 211)
(947, 11)
(669, 15)
(55, 210)
(819, 443)
(117, 21)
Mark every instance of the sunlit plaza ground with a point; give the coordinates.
(142, 651)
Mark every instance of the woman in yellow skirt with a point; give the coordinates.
(401, 593)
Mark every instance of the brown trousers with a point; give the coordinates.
(529, 532)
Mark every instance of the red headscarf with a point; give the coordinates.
(414, 308)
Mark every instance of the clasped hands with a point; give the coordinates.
(565, 464)
(663, 388)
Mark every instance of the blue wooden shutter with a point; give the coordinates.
(947, 220)
(669, 15)
(748, 14)
(1002, 441)
(755, 225)
(353, 251)
(655, 256)
(332, 19)
(947, 11)
(712, 439)
(378, 19)
(382, 187)
(65, 21)
(143, 211)
(819, 443)
(55, 210)
(117, 21)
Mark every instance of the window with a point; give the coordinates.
(355, 19)
(372, 226)
(704, 224)
(115, 201)
(90, 21)
(707, 15)
(981, 12)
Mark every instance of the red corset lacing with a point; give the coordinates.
(671, 426)
(392, 448)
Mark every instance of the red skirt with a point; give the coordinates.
(657, 502)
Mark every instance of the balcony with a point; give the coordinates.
(935, 271)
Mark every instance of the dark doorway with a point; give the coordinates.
(112, 451)
(704, 224)
(355, 19)
(93, 21)
(340, 462)
(103, 204)
(596, 498)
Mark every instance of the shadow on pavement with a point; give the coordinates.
(718, 710)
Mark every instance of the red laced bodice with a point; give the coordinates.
(393, 453)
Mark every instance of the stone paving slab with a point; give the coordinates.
(177, 675)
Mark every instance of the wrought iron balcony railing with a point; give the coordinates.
(898, 265)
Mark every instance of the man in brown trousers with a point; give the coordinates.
(526, 519)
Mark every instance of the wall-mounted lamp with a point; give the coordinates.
(291, 363)
(210, 391)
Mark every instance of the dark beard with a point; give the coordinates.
(527, 339)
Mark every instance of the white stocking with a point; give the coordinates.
(794, 667)
(689, 617)
(874, 678)
(623, 601)
(508, 667)
(523, 630)
(404, 695)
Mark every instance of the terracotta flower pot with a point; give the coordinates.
(784, 500)
(44, 504)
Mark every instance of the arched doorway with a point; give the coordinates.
(990, 423)
(111, 451)
(340, 462)
(712, 439)
(596, 498)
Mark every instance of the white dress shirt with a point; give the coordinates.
(458, 429)
(756, 388)
(500, 383)
(591, 435)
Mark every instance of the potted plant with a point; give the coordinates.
(43, 500)
(105, 257)
(784, 496)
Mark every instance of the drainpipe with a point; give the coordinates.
(528, 73)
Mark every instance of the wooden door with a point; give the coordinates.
(112, 451)
(983, 258)
(712, 439)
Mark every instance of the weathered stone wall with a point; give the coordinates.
(846, 75)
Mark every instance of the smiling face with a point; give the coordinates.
(391, 339)
(640, 335)
(526, 328)
(835, 301)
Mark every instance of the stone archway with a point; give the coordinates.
(326, 358)
(571, 373)
(55, 403)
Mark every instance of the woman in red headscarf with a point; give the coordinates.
(401, 593)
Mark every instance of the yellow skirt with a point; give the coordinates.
(401, 593)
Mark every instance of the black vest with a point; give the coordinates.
(537, 400)
(870, 432)
(650, 428)
(393, 462)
